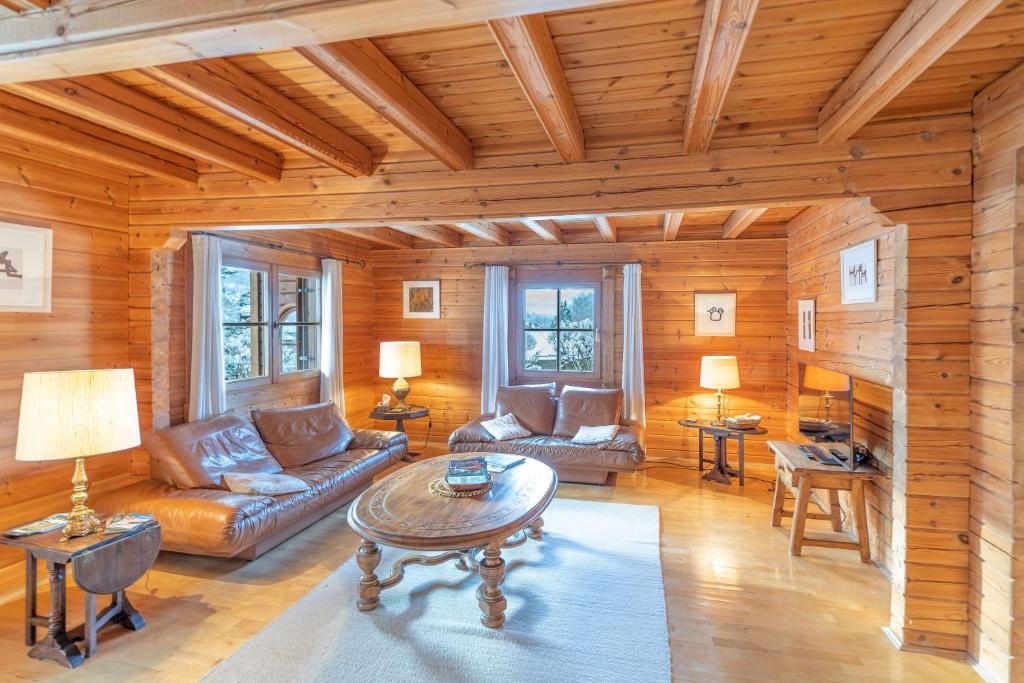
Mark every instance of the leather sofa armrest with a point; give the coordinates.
(471, 432)
(379, 439)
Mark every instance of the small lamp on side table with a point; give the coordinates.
(826, 381)
(719, 373)
(398, 360)
(77, 414)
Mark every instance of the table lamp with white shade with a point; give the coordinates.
(77, 414)
(719, 373)
(398, 360)
(826, 381)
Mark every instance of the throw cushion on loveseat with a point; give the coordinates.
(580, 406)
(298, 436)
(532, 404)
(505, 427)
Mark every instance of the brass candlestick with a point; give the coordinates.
(82, 520)
(719, 400)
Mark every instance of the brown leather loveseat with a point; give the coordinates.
(197, 513)
(553, 422)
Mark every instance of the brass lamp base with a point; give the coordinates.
(719, 400)
(82, 520)
(400, 389)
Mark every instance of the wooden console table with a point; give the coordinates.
(801, 474)
(400, 416)
(102, 564)
(720, 470)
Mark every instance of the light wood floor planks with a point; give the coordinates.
(740, 608)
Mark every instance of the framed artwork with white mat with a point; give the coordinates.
(26, 263)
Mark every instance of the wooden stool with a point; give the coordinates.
(800, 474)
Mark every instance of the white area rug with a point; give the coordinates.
(586, 603)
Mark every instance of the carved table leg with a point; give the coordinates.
(535, 531)
(492, 573)
(368, 557)
(57, 645)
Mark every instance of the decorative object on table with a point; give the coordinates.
(40, 526)
(400, 416)
(814, 424)
(714, 314)
(102, 564)
(385, 402)
(505, 427)
(77, 414)
(399, 360)
(720, 471)
(858, 273)
(805, 314)
(439, 487)
(744, 421)
(118, 524)
(421, 299)
(26, 268)
(827, 382)
(719, 373)
(497, 466)
(467, 474)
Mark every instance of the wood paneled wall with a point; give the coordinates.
(86, 205)
(855, 339)
(754, 269)
(997, 451)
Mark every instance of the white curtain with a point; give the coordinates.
(206, 388)
(332, 348)
(495, 351)
(632, 346)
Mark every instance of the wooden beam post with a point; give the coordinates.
(740, 220)
(485, 231)
(530, 52)
(670, 228)
(432, 233)
(383, 236)
(545, 229)
(609, 233)
(363, 69)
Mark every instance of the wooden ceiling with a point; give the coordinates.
(699, 74)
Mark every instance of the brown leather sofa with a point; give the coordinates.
(554, 421)
(197, 513)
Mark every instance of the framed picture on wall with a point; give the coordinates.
(421, 299)
(26, 261)
(805, 323)
(858, 274)
(714, 314)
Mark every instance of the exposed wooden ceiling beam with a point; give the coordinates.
(240, 95)
(486, 231)
(609, 233)
(544, 229)
(530, 52)
(922, 34)
(66, 40)
(367, 72)
(24, 5)
(104, 101)
(740, 220)
(32, 122)
(670, 226)
(384, 236)
(725, 29)
(432, 233)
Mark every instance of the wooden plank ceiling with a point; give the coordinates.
(691, 75)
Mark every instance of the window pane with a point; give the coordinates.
(300, 347)
(243, 295)
(298, 322)
(539, 353)
(576, 311)
(541, 309)
(245, 352)
(298, 295)
(576, 351)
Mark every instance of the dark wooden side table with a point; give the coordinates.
(399, 417)
(102, 564)
(720, 472)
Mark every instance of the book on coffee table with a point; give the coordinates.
(467, 474)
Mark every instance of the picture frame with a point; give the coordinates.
(714, 314)
(858, 273)
(805, 324)
(26, 268)
(421, 299)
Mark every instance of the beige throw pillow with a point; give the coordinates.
(264, 484)
(595, 435)
(505, 427)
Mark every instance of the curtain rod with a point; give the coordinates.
(280, 247)
(558, 264)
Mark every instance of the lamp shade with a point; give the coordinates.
(400, 359)
(76, 414)
(825, 380)
(719, 372)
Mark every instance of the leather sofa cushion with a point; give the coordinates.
(298, 436)
(532, 404)
(195, 455)
(624, 452)
(583, 407)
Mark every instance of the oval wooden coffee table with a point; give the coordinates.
(400, 511)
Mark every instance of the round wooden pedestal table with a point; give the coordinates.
(400, 511)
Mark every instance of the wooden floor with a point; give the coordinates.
(739, 607)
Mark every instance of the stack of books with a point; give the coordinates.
(467, 474)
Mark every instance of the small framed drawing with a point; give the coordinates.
(26, 262)
(805, 312)
(714, 314)
(421, 299)
(857, 273)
